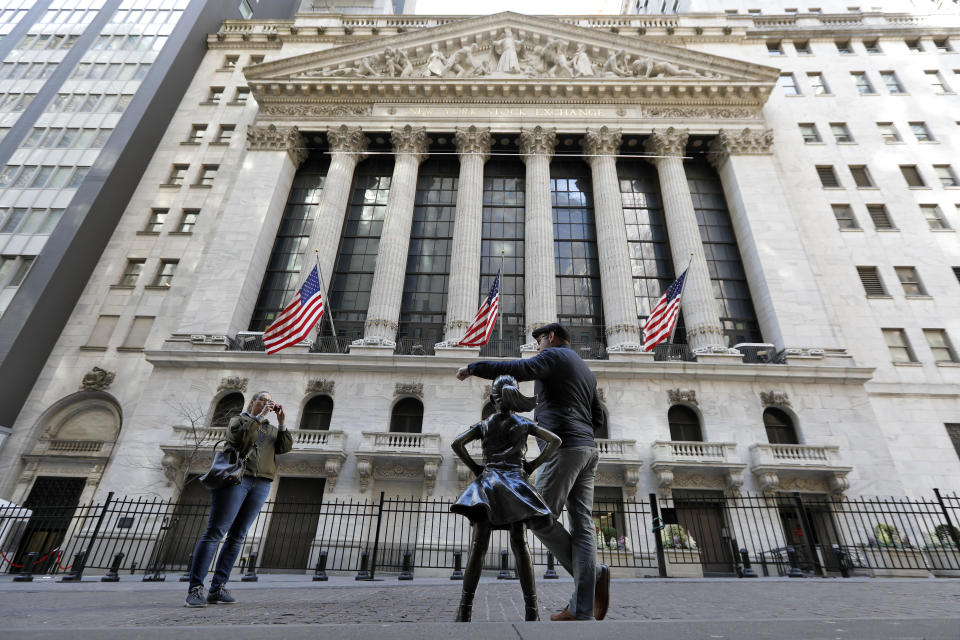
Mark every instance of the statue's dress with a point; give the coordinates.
(501, 493)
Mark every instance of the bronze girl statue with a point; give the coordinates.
(501, 497)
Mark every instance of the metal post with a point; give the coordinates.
(657, 527)
(405, 574)
(186, 575)
(376, 540)
(807, 530)
(28, 564)
(457, 566)
(76, 568)
(251, 574)
(551, 572)
(747, 571)
(113, 574)
(363, 574)
(842, 560)
(76, 572)
(946, 516)
(320, 574)
(794, 569)
(504, 566)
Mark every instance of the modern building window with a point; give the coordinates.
(872, 46)
(940, 345)
(407, 416)
(225, 134)
(912, 175)
(921, 132)
(216, 93)
(156, 220)
(862, 82)
(245, 11)
(502, 231)
(13, 220)
(789, 84)
(256, 59)
(840, 131)
(802, 47)
(892, 83)
(177, 174)
(898, 345)
(946, 175)
(809, 132)
(779, 427)
(871, 281)
(242, 95)
(774, 47)
(818, 85)
(227, 407)
(196, 133)
(880, 216)
(934, 216)
(102, 330)
(910, 281)
(207, 174)
(137, 336)
(230, 62)
(861, 176)
(828, 177)
(843, 47)
(937, 83)
(13, 269)
(131, 273)
(165, 273)
(845, 217)
(684, 424)
(317, 414)
(914, 45)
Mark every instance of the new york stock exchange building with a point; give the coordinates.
(592, 159)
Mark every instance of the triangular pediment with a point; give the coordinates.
(516, 56)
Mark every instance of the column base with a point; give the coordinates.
(372, 347)
(453, 350)
(630, 356)
(719, 355)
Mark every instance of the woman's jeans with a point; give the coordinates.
(232, 511)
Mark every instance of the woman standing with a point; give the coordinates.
(233, 509)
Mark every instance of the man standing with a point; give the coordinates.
(568, 405)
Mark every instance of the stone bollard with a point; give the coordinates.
(747, 571)
(405, 573)
(794, 569)
(320, 573)
(113, 573)
(505, 573)
(551, 572)
(251, 574)
(363, 573)
(75, 574)
(185, 577)
(457, 566)
(27, 574)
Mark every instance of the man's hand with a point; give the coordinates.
(281, 416)
(463, 373)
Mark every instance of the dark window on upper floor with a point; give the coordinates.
(407, 416)
(317, 413)
(684, 424)
(779, 426)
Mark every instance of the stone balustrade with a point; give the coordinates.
(795, 455)
(706, 452)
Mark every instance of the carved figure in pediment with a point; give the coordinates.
(397, 63)
(582, 66)
(437, 62)
(553, 59)
(507, 47)
(647, 68)
(463, 63)
(616, 65)
(363, 68)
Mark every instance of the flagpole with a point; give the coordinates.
(500, 290)
(680, 293)
(326, 298)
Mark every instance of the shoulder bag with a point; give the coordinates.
(227, 467)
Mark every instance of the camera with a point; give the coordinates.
(277, 408)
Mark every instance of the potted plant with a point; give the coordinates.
(941, 552)
(681, 552)
(890, 554)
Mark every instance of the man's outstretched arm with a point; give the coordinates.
(537, 367)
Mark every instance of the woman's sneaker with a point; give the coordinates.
(195, 597)
(220, 596)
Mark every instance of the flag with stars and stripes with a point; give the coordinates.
(478, 333)
(299, 317)
(659, 325)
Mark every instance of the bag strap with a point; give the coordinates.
(256, 445)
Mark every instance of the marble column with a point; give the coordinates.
(539, 273)
(245, 234)
(704, 332)
(347, 149)
(616, 276)
(785, 294)
(383, 313)
(473, 146)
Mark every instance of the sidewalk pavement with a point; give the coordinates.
(674, 609)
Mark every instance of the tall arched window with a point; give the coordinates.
(780, 429)
(407, 416)
(684, 424)
(317, 413)
(228, 406)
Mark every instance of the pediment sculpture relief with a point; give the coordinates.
(504, 55)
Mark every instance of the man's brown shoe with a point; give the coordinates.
(563, 616)
(601, 594)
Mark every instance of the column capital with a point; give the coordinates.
(667, 142)
(274, 138)
(745, 142)
(601, 142)
(412, 140)
(473, 140)
(537, 141)
(344, 139)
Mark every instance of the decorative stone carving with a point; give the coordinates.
(538, 141)
(430, 468)
(319, 110)
(364, 472)
(582, 65)
(462, 63)
(408, 139)
(774, 398)
(730, 113)
(274, 138)
(346, 139)
(769, 481)
(745, 142)
(507, 49)
(667, 142)
(602, 142)
(554, 62)
(320, 385)
(331, 469)
(688, 396)
(436, 63)
(734, 481)
(379, 322)
(631, 477)
(396, 63)
(473, 140)
(97, 379)
(839, 483)
(602, 394)
(664, 478)
(649, 68)
(609, 478)
(233, 383)
(414, 389)
(616, 65)
(464, 475)
(172, 464)
(208, 338)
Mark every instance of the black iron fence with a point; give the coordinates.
(690, 534)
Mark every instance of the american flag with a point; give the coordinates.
(478, 333)
(299, 317)
(659, 325)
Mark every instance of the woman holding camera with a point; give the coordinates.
(233, 509)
